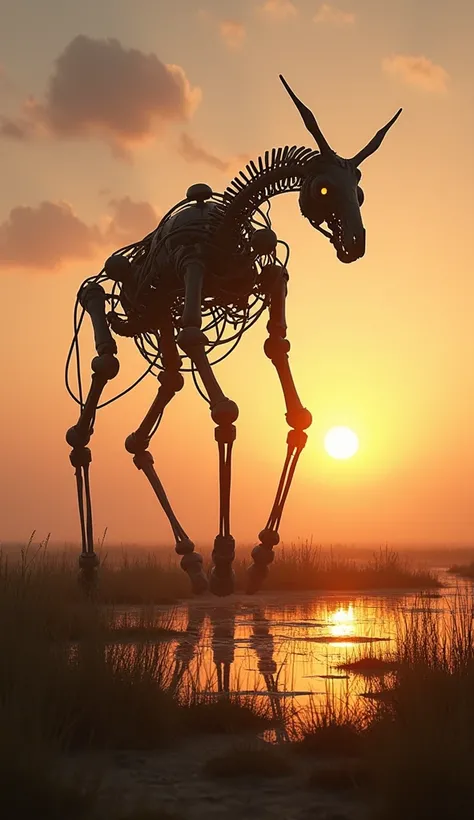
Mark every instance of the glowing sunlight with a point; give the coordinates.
(342, 622)
(341, 442)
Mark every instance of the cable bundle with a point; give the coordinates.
(226, 315)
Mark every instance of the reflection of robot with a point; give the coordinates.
(223, 644)
(186, 648)
(222, 619)
(263, 645)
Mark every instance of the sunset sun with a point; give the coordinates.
(341, 442)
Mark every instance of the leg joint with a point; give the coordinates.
(225, 433)
(171, 380)
(106, 365)
(269, 538)
(184, 547)
(135, 444)
(224, 550)
(296, 439)
(80, 456)
(276, 347)
(191, 562)
(299, 418)
(224, 412)
(262, 555)
(143, 459)
(77, 437)
(88, 561)
(191, 337)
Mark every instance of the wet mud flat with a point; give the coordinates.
(179, 784)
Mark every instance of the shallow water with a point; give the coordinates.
(290, 646)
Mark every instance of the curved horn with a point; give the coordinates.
(375, 142)
(309, 120)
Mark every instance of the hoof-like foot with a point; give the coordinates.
(199, 583)
(88, 575)
(222, 584)
(88, 581)
(262, 555)
(256, 575)
(191, 562)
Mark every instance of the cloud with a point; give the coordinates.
(418, 71)
(100, 89)
(192, 152)
(279, 9)
(334, 16)
(47, 236)
(232, 33)
(130, 222)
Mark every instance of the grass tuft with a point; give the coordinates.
(228, 715)
(462, 570)
(330, 740)
(307, 568)
(249, 761)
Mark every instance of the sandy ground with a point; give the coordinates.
(172, 784)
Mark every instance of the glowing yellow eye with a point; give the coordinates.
(324, 191)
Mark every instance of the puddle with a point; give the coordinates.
(289, 645)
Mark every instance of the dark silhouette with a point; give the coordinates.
(195, 284)
(222, 620)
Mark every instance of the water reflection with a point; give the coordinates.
(214, 628)
(289, 645)
(223, 644)
(272, 648)
(343, 622)
(185, 649)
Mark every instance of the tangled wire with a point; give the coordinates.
(225, 318)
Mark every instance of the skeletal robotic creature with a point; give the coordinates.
(185, 294)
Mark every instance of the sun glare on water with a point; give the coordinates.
(341, 442)
(342, 622)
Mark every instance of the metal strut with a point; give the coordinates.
(137, 443)
(225, 444)
(277, 348)
(224, 412)
(296, 441)
(105, 366)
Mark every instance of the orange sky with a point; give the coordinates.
(100, 136)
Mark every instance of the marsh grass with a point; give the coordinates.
(127, 579)
(229, 715)
(138, 580)
(462, 570)
(330, 738)
(71, 683)
(421, 741)
(306, 567)
(414, 743)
